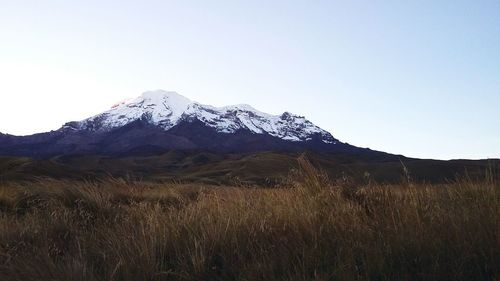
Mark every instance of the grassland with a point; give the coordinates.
(309, 228)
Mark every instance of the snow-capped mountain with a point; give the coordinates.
(168, 109)
(159, 121)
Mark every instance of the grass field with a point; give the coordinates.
(309, 228)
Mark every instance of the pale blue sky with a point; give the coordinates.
(420, 78)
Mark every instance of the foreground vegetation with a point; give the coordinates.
(307, 229)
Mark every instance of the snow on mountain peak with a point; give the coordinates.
(167, 109)
(159, 96)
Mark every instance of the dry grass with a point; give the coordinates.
(307, 230)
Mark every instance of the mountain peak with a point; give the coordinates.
(242, 106)
(166, 109)
(163, 95)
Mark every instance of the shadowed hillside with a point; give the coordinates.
(264, 168)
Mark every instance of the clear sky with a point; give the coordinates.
(419, 78)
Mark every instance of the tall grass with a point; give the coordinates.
(311, 229)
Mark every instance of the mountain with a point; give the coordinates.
(165, 136)
(159, 121)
